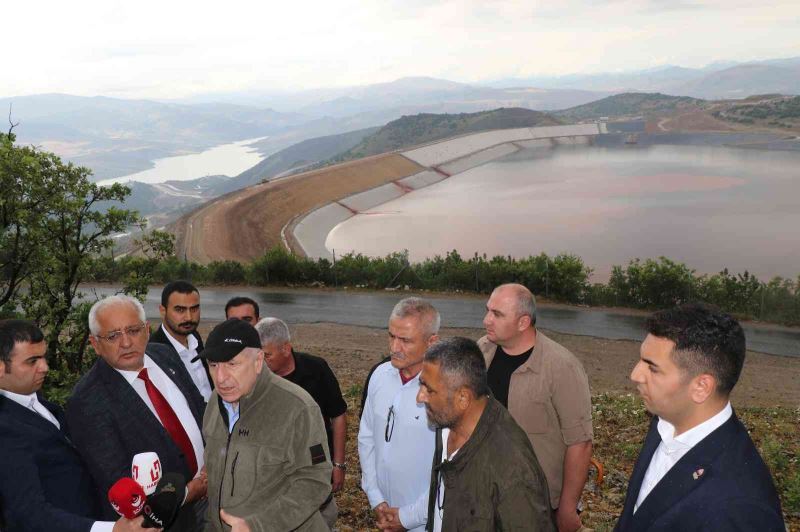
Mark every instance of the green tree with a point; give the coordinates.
(52, 227)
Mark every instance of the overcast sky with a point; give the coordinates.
(176, 48)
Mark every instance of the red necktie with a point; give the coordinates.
(170, 421)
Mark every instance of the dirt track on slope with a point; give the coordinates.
(242, 225)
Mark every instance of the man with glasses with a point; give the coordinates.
(131, 401)
(394, 439)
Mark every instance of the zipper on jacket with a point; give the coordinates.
(233, 472)
(225, 466)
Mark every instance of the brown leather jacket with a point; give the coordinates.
(494, 482)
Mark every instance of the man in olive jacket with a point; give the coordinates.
(485, 475)
(266, 448)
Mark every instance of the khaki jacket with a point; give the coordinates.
(273, 469)
(549, 397)
(494, 482)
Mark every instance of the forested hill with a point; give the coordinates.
(423, 128)
(630, 104)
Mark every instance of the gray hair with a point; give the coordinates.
(461, 363)
(420, 308)
(110, 301)
(273, 331)
(525, 300)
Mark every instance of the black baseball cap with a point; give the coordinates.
(228, 339)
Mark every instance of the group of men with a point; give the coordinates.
(259, 449)
(454, 434)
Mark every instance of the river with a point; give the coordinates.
(372, 309)
(226, 159)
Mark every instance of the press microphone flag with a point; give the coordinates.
(162, 507)
(146, 470)
(127, 498)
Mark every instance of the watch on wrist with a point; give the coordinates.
(342, 466)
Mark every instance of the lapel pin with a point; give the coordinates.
(699, 473)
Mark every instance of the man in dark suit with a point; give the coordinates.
(698, 468)
(132, 402)
(44, 485)
(180, 316)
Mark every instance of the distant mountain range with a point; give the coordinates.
(716, 81)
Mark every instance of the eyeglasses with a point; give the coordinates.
(387, 433)
(115, 336)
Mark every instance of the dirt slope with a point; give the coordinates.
(243, 224)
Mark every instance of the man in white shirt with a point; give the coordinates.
(44, 485)
(698, 468)
(180, 316)
(395, 442)
(131, 402)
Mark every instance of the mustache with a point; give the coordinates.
(189, 323)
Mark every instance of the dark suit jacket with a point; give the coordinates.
(44, 485)
(159, 337)
(734, 492)
(111, 423)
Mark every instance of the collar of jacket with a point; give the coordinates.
(264, 382)
(485, 425)
(534, 362)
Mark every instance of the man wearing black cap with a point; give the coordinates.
(266, 453)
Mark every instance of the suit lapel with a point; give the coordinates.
(651, 442)
(31, 418)
(689, 473)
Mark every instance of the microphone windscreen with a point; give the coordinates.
(146, 470)
(162, 507)
(127, 497)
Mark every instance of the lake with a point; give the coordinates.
(711, 207)
(226, 159)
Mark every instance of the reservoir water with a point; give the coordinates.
(711, 207)
(226, 159)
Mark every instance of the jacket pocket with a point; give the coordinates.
(535, 418)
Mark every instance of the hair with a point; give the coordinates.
(273, 331)
(110, 301)
(421, 308)
(180, 286)
(706, 341)
(526, 302)
(14, 332)
(238, 301)
(461, 364)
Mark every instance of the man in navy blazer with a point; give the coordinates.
(44, 485)
(114, 416)
(698, 469)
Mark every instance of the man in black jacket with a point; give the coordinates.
(132, 401)
(485, 475)
(44, 484)
(180, 316)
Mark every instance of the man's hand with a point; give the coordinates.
(390, 521)
(567, 519)
(197, 488)
(132, 525)
(337, 479)
(237, 524)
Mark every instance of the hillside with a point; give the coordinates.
(631, 104)
(423, 128)
(770, 110)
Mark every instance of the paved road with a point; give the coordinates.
(372, 310)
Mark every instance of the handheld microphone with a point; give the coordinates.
(146, 470)
(162, 507)
(127, 498)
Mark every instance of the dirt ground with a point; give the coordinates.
(242, 225)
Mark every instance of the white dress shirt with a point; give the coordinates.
(31, 402)
(196, 369)
(672, 448)
(174, 397)
(438, 512)
(397, 471)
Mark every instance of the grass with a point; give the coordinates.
(620, 425)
